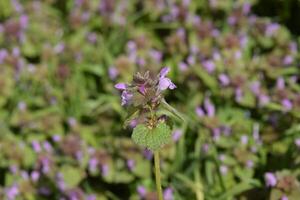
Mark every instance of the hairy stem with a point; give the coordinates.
(157, 175)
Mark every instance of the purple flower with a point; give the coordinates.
(23, 21)
(280, 83)
(191, 60)
(121, 86)
(182, 66)
(141, 191)
(56, 138)
(209, 107)
(3, 55)
(130, 164)
(22, 106)
(223, 169)
(224, 80)
(93, 163)
(176, 135)
(255, 87)
(35, 175)
(271, 29)
(148, 154)
(47, 146)
(263, 99)
(246, 8)
(156, 55)
(209, 66)
(288, 60)
(199, 112)
(91, 197)
(36, 146)
(297, 142)
(12, 192)
(165, 83)
(238, 94)
(270, 179)
(104, 170)
(113, 72)
(284, 198)
(287, 104)
(168, 194)
(126, 97)
(249, 163)
(244, 139)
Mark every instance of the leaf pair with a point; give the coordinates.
(154, 138)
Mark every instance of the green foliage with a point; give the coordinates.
(153, 138)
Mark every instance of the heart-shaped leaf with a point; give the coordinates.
(154, 138)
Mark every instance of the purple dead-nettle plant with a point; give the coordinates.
(144, 100)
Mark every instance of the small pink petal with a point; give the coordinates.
(121, 86)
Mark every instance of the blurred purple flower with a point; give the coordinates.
(182, 66)
(156, 55)
(23, 21)
(231, 20)
(148, 154)
(284, 198)
(141, 191)
(238, 94)
(104, 169)
(35, 175)
(255, 87)
(249, 163)
(280, 83)
(297, 142)
(168, 194)
(199, 111)
(36, 146)
(165, 83)
(288, 60)
(47, 146)
(263, 99)
(224, 79)
(209, 65)
(59, 48)
(244, 139)
(56, 138)
(22, 106)
(209, 108)
(91, 197)
(223, 169)
(271, 29)
(216, 134)
(287, 104)
(130, 164)
(177, 135)
(72, 122)
(191, 60)
(92, 37)
(12, 192)
(246, 8)
(3, 55)
(93, 164)
(113, 72)
(270, 179)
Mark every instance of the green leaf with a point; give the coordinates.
(139, 135)
(71, 175)
(154, 138)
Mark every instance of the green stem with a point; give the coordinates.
(157, 175)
